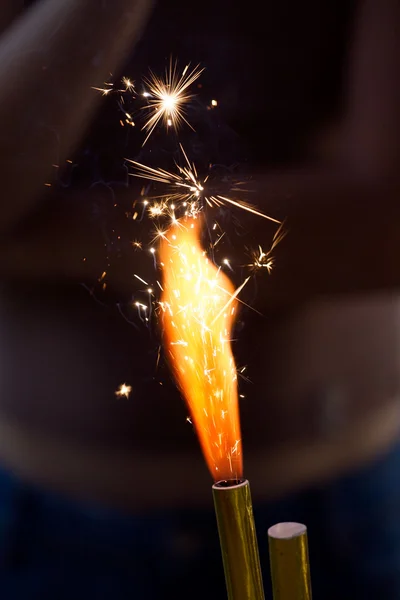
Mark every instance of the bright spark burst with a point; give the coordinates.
(157, 209)
(123, 390)
(167, 97)
(128, 84)
(186, 187)
(263, 259)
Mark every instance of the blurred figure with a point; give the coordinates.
(107, 497)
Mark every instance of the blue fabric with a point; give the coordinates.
(52, 548)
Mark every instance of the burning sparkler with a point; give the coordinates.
(198, 308)
(199, 305)
(167, 97)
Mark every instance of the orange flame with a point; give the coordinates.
(199, 305)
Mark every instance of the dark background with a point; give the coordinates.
(277, 72)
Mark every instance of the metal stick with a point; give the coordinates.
(290, 568)
(237, 534)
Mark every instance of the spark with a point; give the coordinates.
(219, 239)
(263, 259)
(129, 85)
(140, 305)
(232, 298)
(104, 91)
(157, 209)
(123, 390)
(140, 279)
(129, 119)
(249, 208)
(186, 187)
(159, 233)
(168, 95)
(214, 103)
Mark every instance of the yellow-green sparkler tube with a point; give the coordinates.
(290, 567)
(237, 534)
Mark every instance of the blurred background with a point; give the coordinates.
(105, 495)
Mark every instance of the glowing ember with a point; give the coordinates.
(123, 390)
(167, 97)
(198, 309)
(128, 83)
